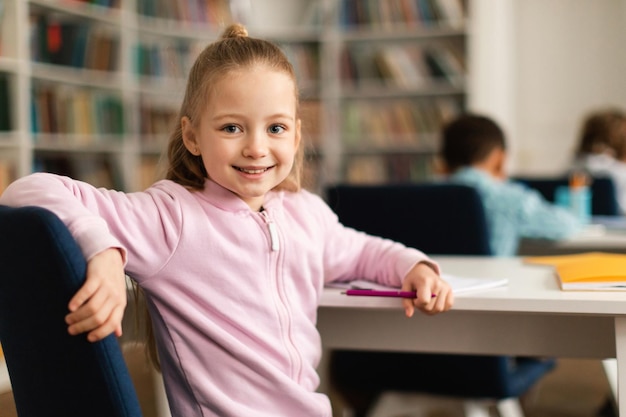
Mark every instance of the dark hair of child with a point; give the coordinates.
(469, 139)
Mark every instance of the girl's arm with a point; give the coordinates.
(350, 254)
(110, 227)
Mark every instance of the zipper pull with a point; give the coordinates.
(273, 235)
(273, 231)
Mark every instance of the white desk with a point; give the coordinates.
(530, 316)
(611, 237)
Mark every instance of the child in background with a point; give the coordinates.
(231, 254)
(602, 149)
(473, 152)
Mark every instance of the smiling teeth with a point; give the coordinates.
(252, 171)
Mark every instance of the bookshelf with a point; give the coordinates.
(401, 72)
(91, 88)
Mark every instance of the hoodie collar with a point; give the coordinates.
(228, 201)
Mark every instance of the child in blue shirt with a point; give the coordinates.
(473, 152)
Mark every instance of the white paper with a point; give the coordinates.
(459, 284)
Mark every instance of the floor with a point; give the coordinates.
(576, 388)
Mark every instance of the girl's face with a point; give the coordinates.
(248, 133)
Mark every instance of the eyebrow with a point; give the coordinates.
(237, 115)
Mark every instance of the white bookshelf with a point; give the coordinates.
(326, 38)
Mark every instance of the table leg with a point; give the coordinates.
(620, 353)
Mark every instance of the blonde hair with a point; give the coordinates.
(235, 50)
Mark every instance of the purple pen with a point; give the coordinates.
(378, 293)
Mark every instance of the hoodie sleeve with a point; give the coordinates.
(145, 225)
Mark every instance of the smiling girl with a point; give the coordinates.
(231, 254)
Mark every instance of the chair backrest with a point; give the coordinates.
(436, 218)
(51, 372)
(603, 192)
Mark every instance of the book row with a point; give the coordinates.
(170, 58)
(60, 41)
(82, 112)
(211, 12)
(173, 58)
(99, 170)
(111, 4)
(386, 123)
(404, 65)
(387, 14)
(383, 169)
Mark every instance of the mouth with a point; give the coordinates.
(252, 170)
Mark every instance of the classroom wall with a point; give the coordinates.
(570, 57)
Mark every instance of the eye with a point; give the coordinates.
(276, 129)
(231, 129)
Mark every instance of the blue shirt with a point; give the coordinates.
(514, 211)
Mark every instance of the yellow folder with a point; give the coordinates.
(589, 271)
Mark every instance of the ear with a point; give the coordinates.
(189, 136)
(499, 163)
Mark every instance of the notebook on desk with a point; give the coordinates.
(590, 271)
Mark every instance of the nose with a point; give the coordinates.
(256, 145)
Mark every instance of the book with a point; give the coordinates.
(459, 284)
(589, 271)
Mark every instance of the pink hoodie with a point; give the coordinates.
(233, 293)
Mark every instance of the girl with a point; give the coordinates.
(602, 148)
(231, 254)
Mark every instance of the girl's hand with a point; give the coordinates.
(426, 282)
(98, 306)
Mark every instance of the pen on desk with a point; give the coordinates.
(378, 293)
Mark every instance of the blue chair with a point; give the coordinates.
(51, 372)
(444, 219)
(603, 192)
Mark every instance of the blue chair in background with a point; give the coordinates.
(603, 192)
(51, 372)
(444, 219)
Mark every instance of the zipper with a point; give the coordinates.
(282, 305)
(271, 226)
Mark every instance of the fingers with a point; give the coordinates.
(100, 316)
(424, 298)
(409, 309)
(98, 306)
(441, 302)
(434, 295)
(82, 295)
(429, 303)
(110, 326)
(97, 311)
